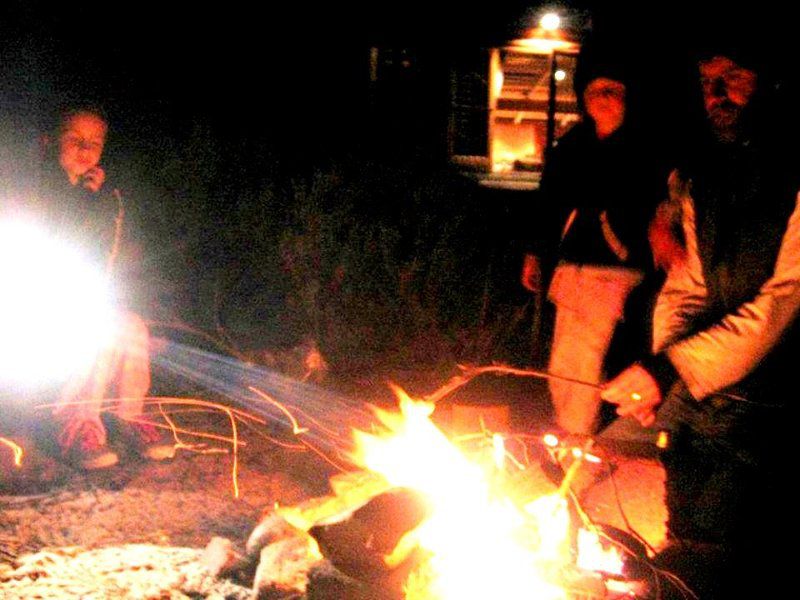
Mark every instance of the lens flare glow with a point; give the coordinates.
(55, 309)
(550, 22)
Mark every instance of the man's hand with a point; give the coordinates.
(636, 394)
(93, 179)
(531, 278)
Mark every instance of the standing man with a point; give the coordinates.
(726, 343)
(605, 187)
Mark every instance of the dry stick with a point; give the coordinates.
(469, 373)
(200, 434)
(180, 444)
(165, 400)
(235, 469)
(232, 415)
(322, 455)
(296, 429)
(16, 449)
(572, 471)
(320, 426)
(271, 439)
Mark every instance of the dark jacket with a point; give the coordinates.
(613, 184)
(97, 224)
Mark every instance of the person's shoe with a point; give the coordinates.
(89, 450)
(147, 440)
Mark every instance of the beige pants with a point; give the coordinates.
(121, 373)
(589, 304)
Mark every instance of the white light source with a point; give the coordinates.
(56, 312)
(560, 75)
(550, 21)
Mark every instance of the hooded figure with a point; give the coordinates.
(605, 186)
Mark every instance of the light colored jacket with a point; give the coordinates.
(728, 350)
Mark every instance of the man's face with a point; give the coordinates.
(81, 141)
(727, 89)
(605, 104)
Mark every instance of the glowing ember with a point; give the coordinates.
(15, 448)
(477, 542)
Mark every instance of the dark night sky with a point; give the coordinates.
(201, 58)
(153, 56)
(202, 100)
(268, 74)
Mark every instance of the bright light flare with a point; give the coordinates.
(592, 556)
(550, 21)
(55, 310)
(499, 451)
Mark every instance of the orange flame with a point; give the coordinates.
(593, 557)
(477, 542)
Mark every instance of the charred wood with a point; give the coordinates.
(357, 544)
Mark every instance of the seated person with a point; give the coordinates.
(78, 205)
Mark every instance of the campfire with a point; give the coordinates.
(429, 519)
(423, 515)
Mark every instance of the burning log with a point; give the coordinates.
(278, 559)
(350, 491)
(356, 530)
(325, 582)
(359, 543)
(277, 563)
(272, 528)
(283, 559)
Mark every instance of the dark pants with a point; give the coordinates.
(729, 468)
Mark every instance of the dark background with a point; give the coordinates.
(281, 195)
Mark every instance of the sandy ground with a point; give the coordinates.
(144, 517)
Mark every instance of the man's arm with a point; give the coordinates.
(721, 354)
(684, 293)
(727, 351)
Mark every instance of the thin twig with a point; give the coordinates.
(468, 373)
